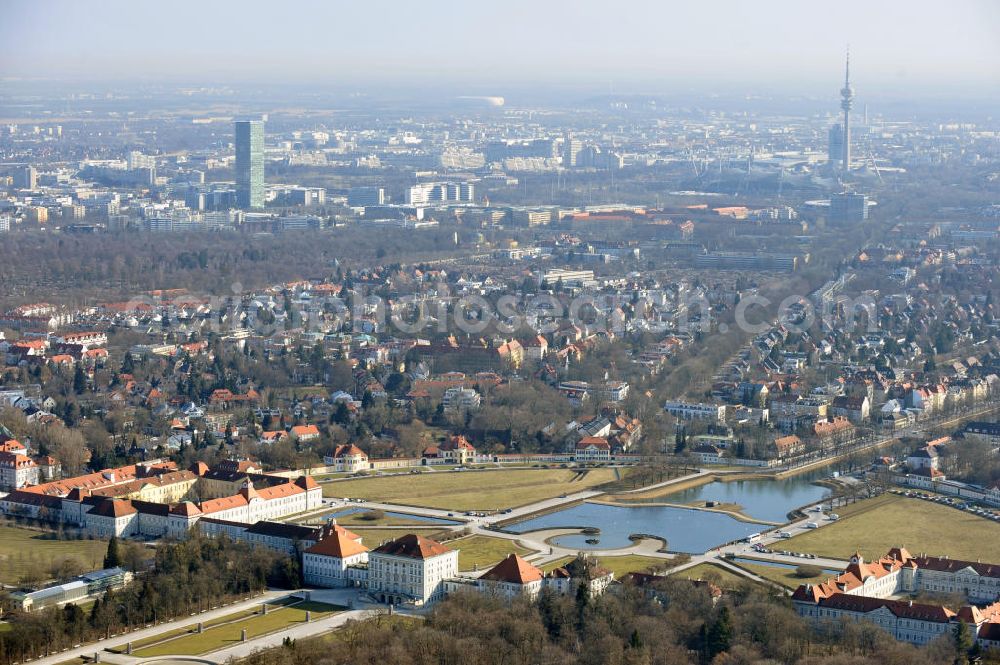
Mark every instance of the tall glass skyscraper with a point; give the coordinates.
(250, 163)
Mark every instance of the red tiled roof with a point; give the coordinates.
(88, 481)
(900, 608)
(413, 546)
(457, 443)
(279, 491)
(340, 544)
(513, 569)
(953, 565)
(306, 482)
(15, 460)
(187, 509)
(223, 503)
(597, 441)
(113, 508)
(12, 446)
(349, 450)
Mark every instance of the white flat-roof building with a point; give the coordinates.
(691, 410)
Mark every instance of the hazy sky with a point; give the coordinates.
(630, 44)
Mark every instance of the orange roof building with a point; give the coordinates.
(305, 432)
(512, 577)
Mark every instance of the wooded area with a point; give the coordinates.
(678, 624)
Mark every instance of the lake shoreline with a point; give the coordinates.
(742, 517)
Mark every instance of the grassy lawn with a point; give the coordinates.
(372, 538)
(619, 565)
(298, 392)
(357, 519)
(555, 563)
(23, 550)
(786, 577)
(631, 563)
(728, 507)
(226, 635)
(193, 627)
(323, 477)
(482, 552)
(680, 486)
(471, 490)
(712, 573)
(875, 525)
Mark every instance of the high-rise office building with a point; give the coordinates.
(835, 148)
(26, 177)
(433, 192)
(848, 207)
(359, 197)
(498, 151)
(571, 150)
(137, 160)
(250, 163)
(37, 214)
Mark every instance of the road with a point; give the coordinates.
(878, 441)
(771, 540)
(91, 649)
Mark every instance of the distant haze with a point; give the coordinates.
(623, 45)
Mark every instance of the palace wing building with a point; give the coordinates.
(157, 499)
(876, 592)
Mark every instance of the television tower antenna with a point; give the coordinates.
(846, 102)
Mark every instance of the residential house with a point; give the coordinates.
(785, 447)
(347, 458)
(855, 409)
(305, 433)
(834, 432)
(583, 570)
(707, 453)
(456, 450)
(592, 449)
(460, 400)
(688, 411)
(615, 391)
(17, 471)
(535, 348)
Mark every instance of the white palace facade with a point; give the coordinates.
(156, 499)
(877, 592)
